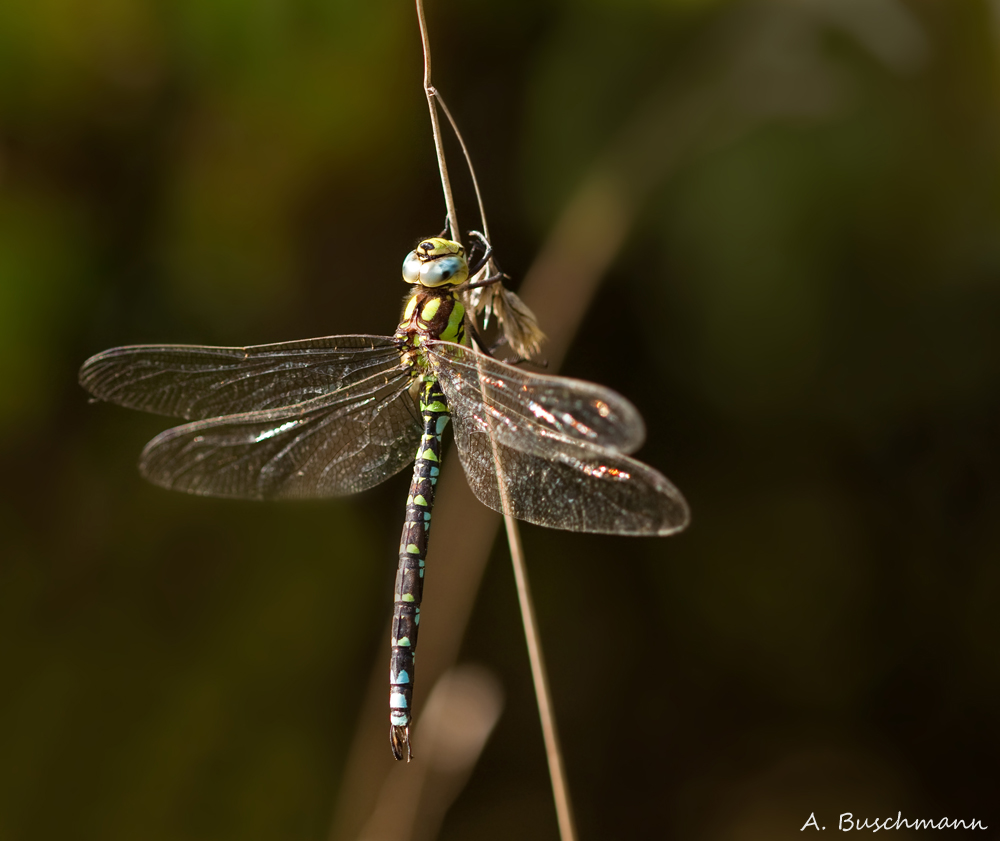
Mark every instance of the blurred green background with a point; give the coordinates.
(806, 309)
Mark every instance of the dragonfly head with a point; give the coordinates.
(436, 262)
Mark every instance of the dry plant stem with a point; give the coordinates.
(558, 286)
(449, 199)
(557, 773)
(560, 790)
(553, 752)
(468, 161)
(343, 826)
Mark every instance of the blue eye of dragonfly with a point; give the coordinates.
(444, 269)
(337, 415)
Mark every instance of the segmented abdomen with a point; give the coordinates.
(410, 574)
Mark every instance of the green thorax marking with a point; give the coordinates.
(432, 314)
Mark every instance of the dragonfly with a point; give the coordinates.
(333, 416)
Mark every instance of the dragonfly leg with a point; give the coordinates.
(489, 280)
(482, 260)
(477, 338)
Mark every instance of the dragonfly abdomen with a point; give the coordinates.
(410, 573)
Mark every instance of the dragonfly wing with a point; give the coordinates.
(333, 445)
(537, 472)
(195, 381)
(538, 403)
(583, 488)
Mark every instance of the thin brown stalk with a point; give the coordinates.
(468, 161)
(449, 199)
(539, 672)
(540, 676)
(560, 790)
(662, 133)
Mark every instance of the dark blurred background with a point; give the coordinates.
(804, 305)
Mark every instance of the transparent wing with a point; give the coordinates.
(194, 381)
(333, 445)
(551, 473)
(538, 404)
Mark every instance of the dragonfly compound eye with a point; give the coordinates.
(411, 267)
(449, 270)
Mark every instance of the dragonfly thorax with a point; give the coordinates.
(433, 309)
(432, 314)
